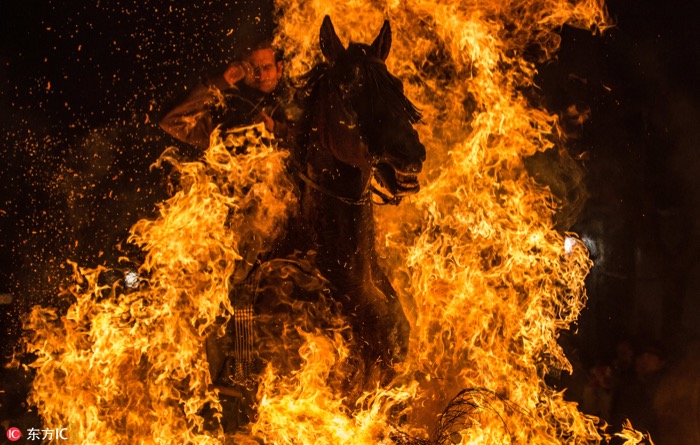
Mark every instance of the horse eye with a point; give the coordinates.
(350, 77)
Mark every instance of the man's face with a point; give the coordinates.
(266, 71)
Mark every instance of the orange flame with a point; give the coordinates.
(131, 367)
(481, 269)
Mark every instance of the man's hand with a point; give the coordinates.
(267, 120)
(237, 71)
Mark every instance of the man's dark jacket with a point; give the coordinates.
(214, 103)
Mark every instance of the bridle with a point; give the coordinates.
(365, 197)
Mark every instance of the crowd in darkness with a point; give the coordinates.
(624, 387)
(643, 383)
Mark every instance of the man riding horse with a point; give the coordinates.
(357, 146)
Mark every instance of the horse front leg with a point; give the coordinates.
(399, 325)
(381, 328)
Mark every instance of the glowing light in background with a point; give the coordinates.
(569, 244)
(131, 279)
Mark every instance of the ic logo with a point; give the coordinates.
(14, 434)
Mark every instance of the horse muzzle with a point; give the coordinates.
(396, 177)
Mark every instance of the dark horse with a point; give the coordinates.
(358, 146)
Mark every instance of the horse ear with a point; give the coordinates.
(331, 47)
(382, 43)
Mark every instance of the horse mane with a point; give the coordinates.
(306, 90)
(305, 96)
(388, 90)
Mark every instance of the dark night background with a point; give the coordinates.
(81, 86)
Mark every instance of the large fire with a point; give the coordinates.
(482, 271)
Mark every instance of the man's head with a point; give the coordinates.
(265, 68)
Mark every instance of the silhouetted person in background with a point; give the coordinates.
(634, 397)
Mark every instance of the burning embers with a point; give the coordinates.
(484, 279)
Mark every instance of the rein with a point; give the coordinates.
(365, 198)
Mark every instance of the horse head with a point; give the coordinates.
(371, 104)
